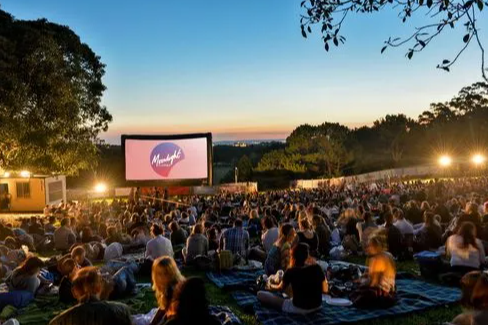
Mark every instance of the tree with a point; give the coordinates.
(244, 167)
(316, 150)
(392, 134)
(458, 127)
(50, 98)
(330, 15)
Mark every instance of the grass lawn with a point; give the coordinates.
(146, 301)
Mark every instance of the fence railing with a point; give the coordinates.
(382, 175)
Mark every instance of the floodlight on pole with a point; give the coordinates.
(100, 188)
(445, 161)
(478, 159)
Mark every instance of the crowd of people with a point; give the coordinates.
(288, 231)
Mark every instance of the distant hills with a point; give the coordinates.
(247, 142)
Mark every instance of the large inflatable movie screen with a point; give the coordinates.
(167, 158)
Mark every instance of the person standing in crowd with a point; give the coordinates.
(87, 287)
(235, 240)
(159, 245)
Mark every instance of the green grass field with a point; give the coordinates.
(44, 309)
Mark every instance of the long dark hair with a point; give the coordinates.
(468, 232)
(284, 231)
(190, 302)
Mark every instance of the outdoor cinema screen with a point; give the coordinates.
(171, 158)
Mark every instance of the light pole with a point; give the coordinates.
(236, 174)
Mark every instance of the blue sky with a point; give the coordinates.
(242, 70)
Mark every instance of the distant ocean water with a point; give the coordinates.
(248, 142)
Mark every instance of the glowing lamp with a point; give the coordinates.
(445, 161)
(478, 159)
(100, 188)
(6, 174)
(25, 173)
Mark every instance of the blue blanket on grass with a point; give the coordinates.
(413, 296)
(234, 279)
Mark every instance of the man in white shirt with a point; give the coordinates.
(402, 224)
(159, 245)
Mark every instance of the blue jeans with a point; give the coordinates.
(124, 283)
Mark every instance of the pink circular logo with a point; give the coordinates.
(164, 157)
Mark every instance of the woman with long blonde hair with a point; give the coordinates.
(165, 277)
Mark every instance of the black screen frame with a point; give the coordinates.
(173, 182)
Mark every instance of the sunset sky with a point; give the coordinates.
(242, 70)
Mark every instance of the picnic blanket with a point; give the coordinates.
(414, 296)
(223, 313)
(234, 279)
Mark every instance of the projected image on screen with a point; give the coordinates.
(166, 159)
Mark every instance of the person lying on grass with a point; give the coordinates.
(87, 287)
(307, 283)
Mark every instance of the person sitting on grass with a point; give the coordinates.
(235, 240)
(429, 236)
(196, 244)
(279, 255)
(49, 227)
(365, 228)
(64, 237)
(377, 287)
(466, 251)
(26, 276)
(323, 234)
(474, 297)
(165, 277)
(78, 254)
(87, 286)
(159, 245)
(190, 305)
(308, 236)
(307, 283)
(178, 235)
(68, 270)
